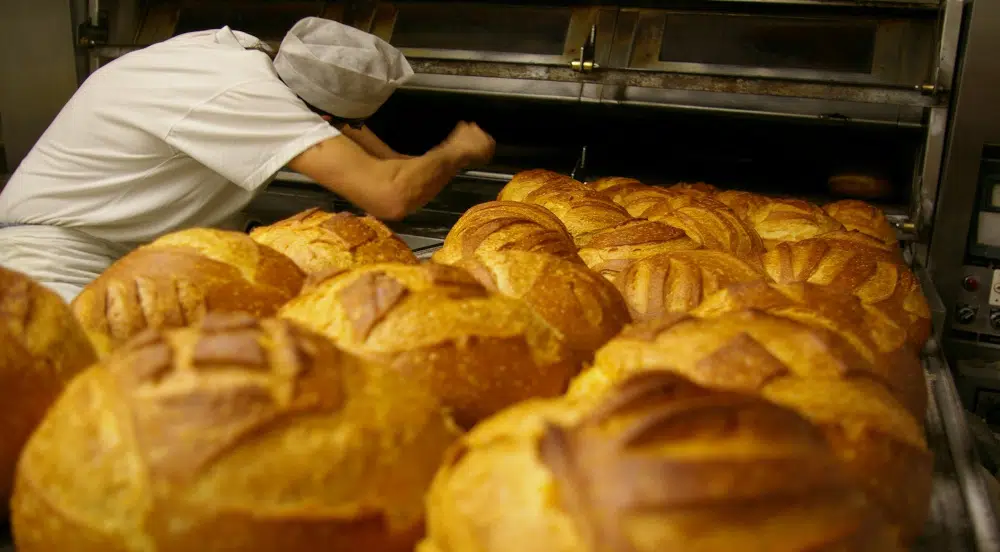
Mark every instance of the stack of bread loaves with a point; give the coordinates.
(639, 369)
(810, 308)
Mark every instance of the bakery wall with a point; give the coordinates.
(38, 70)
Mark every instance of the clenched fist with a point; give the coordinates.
(471, 143)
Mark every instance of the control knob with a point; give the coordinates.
(995, 319)
(966, 314)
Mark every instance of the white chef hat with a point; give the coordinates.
(339, 69)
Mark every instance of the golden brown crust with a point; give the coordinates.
(526, 182)
(41, 348)
(695, 188)
(231, 434)
(180, 277)
(318, 241)
(583, 307)
(862, 217)
(679, 281)
(655, 464)
(611, 185)
(790, 220)
(479, 352)
(880, 341)
(583, 212)
(713, 226)
(853, 263)
(741, 202)
(608, 252)
(504, 226)
(859, 185)
(807, 368)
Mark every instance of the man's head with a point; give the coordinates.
(338, 70)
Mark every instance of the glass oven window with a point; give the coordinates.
(769, 42)
(267, 21)
(480, 27)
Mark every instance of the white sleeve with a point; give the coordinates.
(249, 132)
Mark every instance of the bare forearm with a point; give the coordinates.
(372, 144)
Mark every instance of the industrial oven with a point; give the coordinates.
(774, 96)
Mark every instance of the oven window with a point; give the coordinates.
(266, 21)
(478, 27)
(770, 42)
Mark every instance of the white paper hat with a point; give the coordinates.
(339, 69)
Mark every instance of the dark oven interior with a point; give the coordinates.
(782, 156)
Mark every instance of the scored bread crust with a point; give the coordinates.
(809, 369)
(676, 282)
(853, 263)
(479, 352)
(656, 463)
(233, 434)
(863, 217)
(611, 250)
(790, 220)
(713, 226)
(318, 241)
(177, 279)
(42, 347)
(583, 212)
(506, 225)
(526, 182)
(583, 307)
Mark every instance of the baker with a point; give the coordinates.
(186, 132)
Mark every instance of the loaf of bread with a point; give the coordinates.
(713, 226)
(881, 342)
(657, 464)
(676, 282)
(853, 263)
(175, 280)
(859, 185)
(610, 186)
(478, 351)
(232, 434)
(862, 217)
(694, 188)
(41, 348)
(808, 369)
(790, 220)
(318, 241)
(506, 225)
(584, 308)
(582, 212)
(741, 202)
(526, 182)
(608, 252)
(634, 196)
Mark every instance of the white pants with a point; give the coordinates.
(62, 259)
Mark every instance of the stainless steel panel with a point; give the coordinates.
(38, 72)
(762, 104)
(839, 48)
(975, 122)
(491, 32)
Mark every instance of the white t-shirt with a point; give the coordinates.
(177, 135)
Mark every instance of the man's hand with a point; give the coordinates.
(471, 144)
(392, 188)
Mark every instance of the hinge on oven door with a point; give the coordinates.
(586, 63)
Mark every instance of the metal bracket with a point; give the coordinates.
(579, 170)
(586, 63)
(94, 30)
